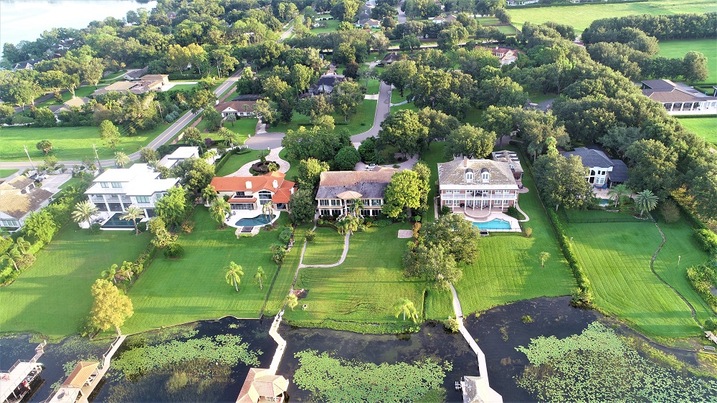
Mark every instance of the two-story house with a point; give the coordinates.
(252, 192)
(116, 189)
(339, 190)
(679, 99)
(602, 171)
(18, 198)
(477, 184)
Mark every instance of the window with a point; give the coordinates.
(239, 194)
(264, 195)
(104, 185)
(116, 185)
(485, 177)
(469, 176)
(323, 202)
(142, 199)
(600, 181)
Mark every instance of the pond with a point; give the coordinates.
(498, 332)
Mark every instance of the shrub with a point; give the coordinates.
(711, 324)
(527, 319)
(528, 232)
(188, 226)
(703, 278)
(95, 228)
(445, 210)
(285, 234)
(707, 239)
(451, 325)
(670, 212)
(310, 236)
(174, 251)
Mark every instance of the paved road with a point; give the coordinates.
(162, 138)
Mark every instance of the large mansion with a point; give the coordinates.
(339, 190)
(477, 184)
(252, 192)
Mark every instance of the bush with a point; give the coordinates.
(711, 324)
(310, 235)
(285, 234)
(188, 226)
(174, 251)
(528, 232)
(95, 228)
(451, 325)
(445, 210)
(708, 240)
(670, 212)
(703, 278)
(513, 212)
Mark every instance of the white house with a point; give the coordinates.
(116, 189)
(179, 155)
(679, 99)
(244, 108)
(477, 184)
(601, 170)
(339, 190)
(252, 192)
(18, 198)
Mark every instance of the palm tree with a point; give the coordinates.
(121, 159)
(84, 211)
(233, 275)
(544, 256)
(646, 201)
(125, 272)
(22, 245)
(13, 256)
(405, 306)
(292, 300)
(133, 214)
(268, 210)
(618, 193)
(357, 207)
(209, 193)
(219, 210)
(229, 136)
(259, 277)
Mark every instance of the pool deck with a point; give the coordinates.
(237, 215)
(488, 215)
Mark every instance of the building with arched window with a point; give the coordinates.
(477, 184)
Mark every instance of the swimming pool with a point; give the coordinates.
(605, 202)
(116, 222)
(493, 224)
(255, 221)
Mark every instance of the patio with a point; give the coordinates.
(237, 215)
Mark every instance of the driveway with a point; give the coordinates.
(262, 141)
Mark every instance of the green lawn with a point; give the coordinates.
(396, 96)
(616, 258)
(182, 87)
(581, 16)
(193, 288)
(359, 294)
(237, 161)
(53, 296)
(293, 171)
(285, 275)
(436, 153)
(326, 248)
(331, 26)
(69, 143)
(678, 49)
(372, 86)
(359, 122)
(4, 173)
(243, 127)
(508, 268)
(702, 126)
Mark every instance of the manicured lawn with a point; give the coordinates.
(4, 173)
(359, 294)
(396, 96)
(181, 87)
(326, 248)
(436, 153)
(507, 29)
(239, 160)
(244, 128)
(508, 268)
(69, 143)
(293, 171)
(372, 86)
(193, 287)
(581, 16)
(678, 49)
(359, 122)
(703, 127)
(285, 275)
(330, 26)
(616, 258)
(53, 296)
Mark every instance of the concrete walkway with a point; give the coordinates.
(272, 156)
(326, 266)
(280, 342)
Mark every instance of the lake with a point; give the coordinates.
(25, 20)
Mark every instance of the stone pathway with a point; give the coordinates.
(272, 156)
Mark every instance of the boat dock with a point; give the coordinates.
(15, 383)
(85, 377)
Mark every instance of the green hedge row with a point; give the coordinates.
(703, 278)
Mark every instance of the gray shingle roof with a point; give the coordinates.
(454, 172)
(590, 157)
(619, 171)
(370, 184)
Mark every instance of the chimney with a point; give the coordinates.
(465, 161)
(248, 184)
(275, 183)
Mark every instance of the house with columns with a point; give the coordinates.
(477, 184)
(339, 190)
(679, 99)
(118, 188)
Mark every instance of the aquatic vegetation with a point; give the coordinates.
(224, 349)
(597, 365)
(335, 379)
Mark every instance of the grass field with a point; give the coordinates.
(359, 294)
(703, 127)
(358, 122)
(678, 49)
(508, 268)
(237, 161)
(4, 173)
(436, 153)
(68, 143)
(326, 248)
(53, 296)
(616, 257)
(581, 16)
(330, 26)
(193, 287)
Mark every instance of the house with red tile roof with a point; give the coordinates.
(252, 192)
